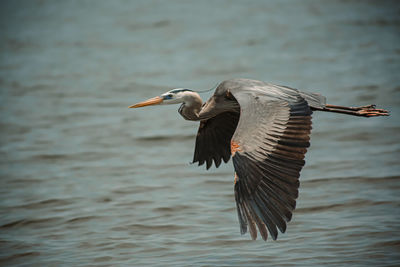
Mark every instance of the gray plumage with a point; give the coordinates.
(265, 128)
(272, 135)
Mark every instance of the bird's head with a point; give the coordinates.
(174, 96)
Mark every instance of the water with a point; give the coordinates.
(86, 181)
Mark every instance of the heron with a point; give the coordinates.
(265, 129)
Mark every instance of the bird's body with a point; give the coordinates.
(265, 128)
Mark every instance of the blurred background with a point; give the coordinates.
(87, 181)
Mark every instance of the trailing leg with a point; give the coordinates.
(363, 111)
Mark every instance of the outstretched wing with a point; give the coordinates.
(268, 149)
(213, 139)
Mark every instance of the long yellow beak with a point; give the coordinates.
(152, 101)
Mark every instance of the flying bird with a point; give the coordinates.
(265, 128)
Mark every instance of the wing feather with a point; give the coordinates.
(272, 132)
(213, 139)
(273, 137)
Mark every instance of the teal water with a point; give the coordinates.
(86, 181)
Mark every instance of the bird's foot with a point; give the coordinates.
(371, 111)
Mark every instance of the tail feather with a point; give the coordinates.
(314, 100)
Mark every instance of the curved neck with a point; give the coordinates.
(191, 107)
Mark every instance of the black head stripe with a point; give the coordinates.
(175, 91)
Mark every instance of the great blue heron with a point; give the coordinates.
(266, 129)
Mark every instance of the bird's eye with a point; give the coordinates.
(169, 96)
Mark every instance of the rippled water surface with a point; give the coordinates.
(86, 181)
